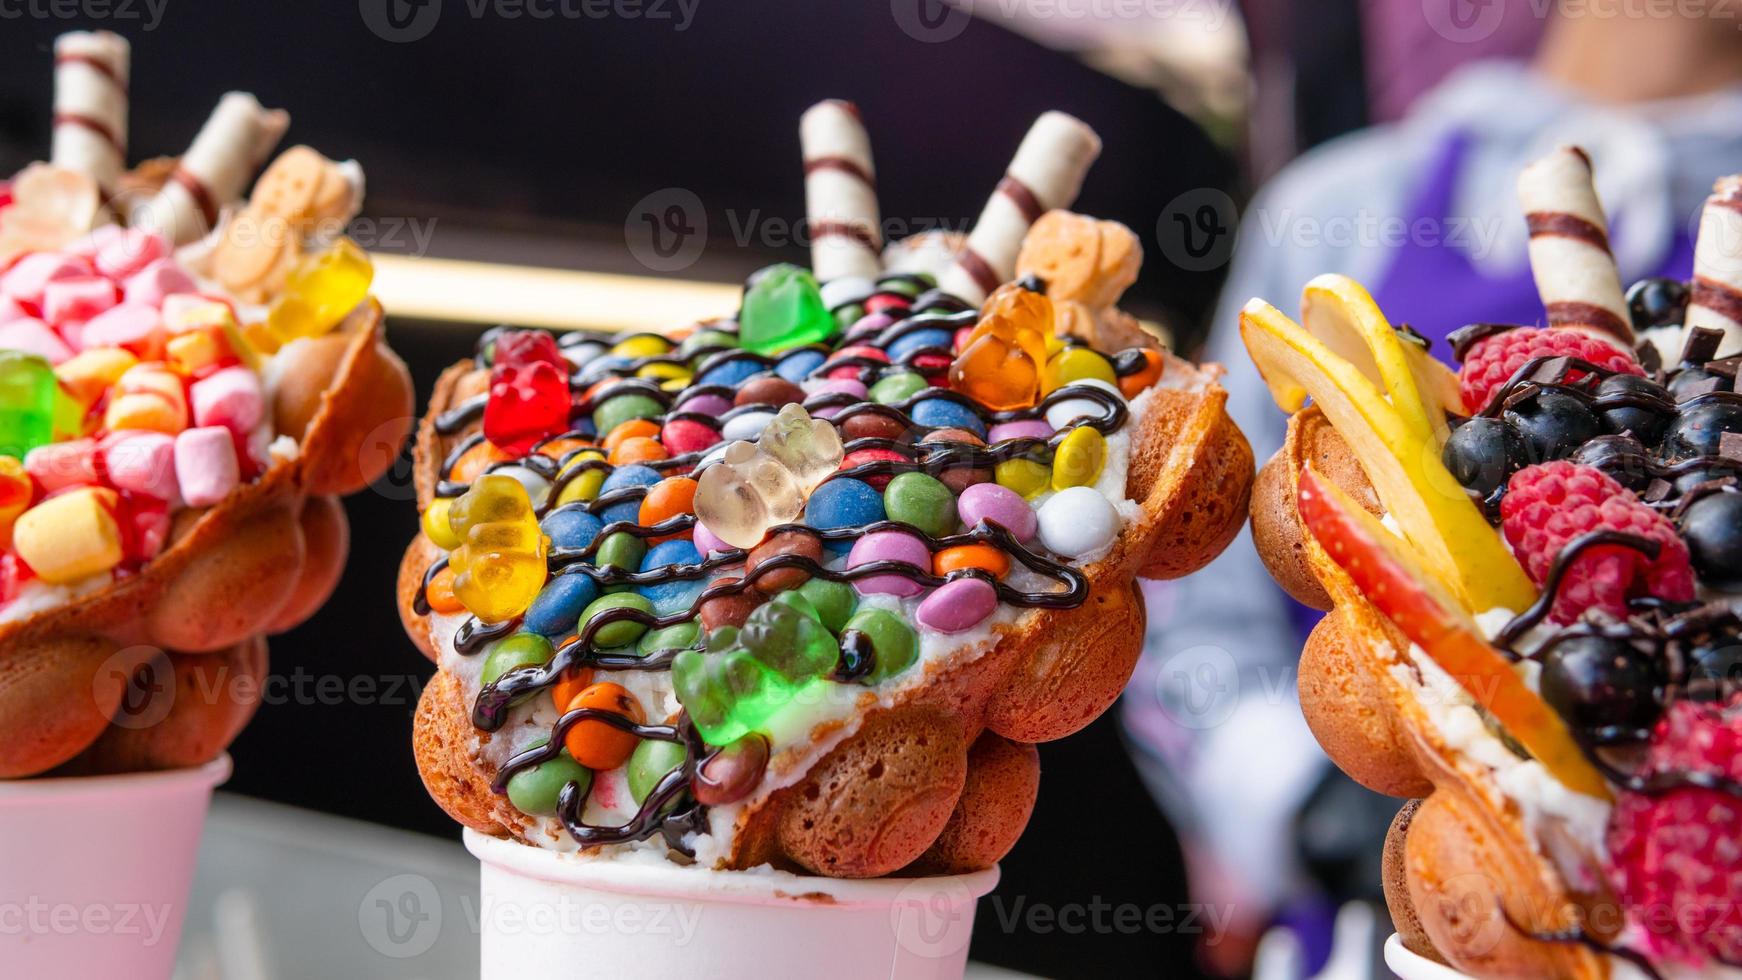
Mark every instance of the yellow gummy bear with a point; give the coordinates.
(499, 566)
(320, 291)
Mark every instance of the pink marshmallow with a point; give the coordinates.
(121, 257)
(154, 282)
(29, 275)
(87, 246)
(231, 398)
(64, 300)
(131, 325)
(60, 465)
(205, 465)
(10, 310)
(141, 462)
(33, 336)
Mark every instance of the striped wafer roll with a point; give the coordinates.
(840, 192)
(212, 173)
(90, 105)
(1046, 173)
(1569, 248)
(1717, 294)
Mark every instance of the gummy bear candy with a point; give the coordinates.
(529, 392)
(320, 291)
(28, 390)
(999, 364)
(809, 449)
(797, 646)
(499, 567)
(744, 494)
(783, 308)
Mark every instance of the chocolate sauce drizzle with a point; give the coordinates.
(668, 809)
(1576, 934)
(1524, 621)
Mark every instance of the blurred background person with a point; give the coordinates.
(1421, 209)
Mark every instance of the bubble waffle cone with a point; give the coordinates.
(878, 764)
(209, 438)
(1530, 631)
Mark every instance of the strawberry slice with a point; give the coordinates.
(1409, 595)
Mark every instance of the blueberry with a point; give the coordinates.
(1622, 457)
(1600, 682)
(1482, 453)
(1645, 422)
(1698, 429)
(1657, 302)
(1714, 672)
(1712, 527)
(1687, 481)
(1553, 424)
(570, 526)
(1690, 382)
(557, 607)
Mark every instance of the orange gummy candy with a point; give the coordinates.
(999, 365)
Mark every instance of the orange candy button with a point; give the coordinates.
(982, 556)
(636, 449)
(475, 460)
(1132, 385)
(632, 429)
(666, 499)
(597, 744)
(440, 593)
(571, 684)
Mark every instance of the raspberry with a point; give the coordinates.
(1491, 361)
(1548, 505)
(1675, 857)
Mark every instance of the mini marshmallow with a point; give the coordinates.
(87, 246)
(80, 298)
(141, 462)
(148, 396)
(152, 284)
(33, 336)
(10, 310)
(134, 326)
(195, 351)
(189, 311)
(231, 398)
(70, 536)
(205, 465)
(121, 257)
(29, 275)
(88, 375)
(59, 465)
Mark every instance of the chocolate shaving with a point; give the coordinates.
(1657, 490)
(1730, 446)
(1648, 357)
(1700, 386)
(1465, 337)
(1702, 345)
(1725, 367)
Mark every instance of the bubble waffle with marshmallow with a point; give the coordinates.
(896, 588)
(1532, 615)
(177, 423)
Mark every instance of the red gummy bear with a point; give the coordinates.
(529, 392)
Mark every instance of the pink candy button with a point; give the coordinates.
(889, 546)
(958, 605)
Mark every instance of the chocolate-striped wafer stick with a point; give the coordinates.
(1717, 294)
(840, 192)
(1046, 173)
(211, 174)
(90, 105)
(1569, 248)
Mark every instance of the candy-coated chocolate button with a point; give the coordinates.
(1068, 410)
(534, 791)
(958, 605)
(833, 601)
(986, 557)
(649, 763)
(617, 409)
(922, 501)
(1078, 521)
(894, 388)
(1024, 476)
(999, 504)
(599, 744)
(1079, 458)
(897, 546)
(893, 644)
(619, 633)
(1075, 364)
(729, 775)
(558, 607)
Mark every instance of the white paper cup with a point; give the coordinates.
(94, 871)
(1412, 966)
(544, 914)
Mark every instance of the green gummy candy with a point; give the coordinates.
(28, 393)
(783, 309)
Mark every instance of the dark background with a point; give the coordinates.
(530, 140)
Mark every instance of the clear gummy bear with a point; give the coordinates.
(754, 487)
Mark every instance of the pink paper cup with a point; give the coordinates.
(95, 870)
(545, 914)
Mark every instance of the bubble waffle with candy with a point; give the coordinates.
(804, 587)
(178, 416)
(1534, 586)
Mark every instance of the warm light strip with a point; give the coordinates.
(490, 293)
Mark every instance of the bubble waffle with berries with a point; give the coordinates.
(804, 587)
(1535, 602)
(188, 381)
